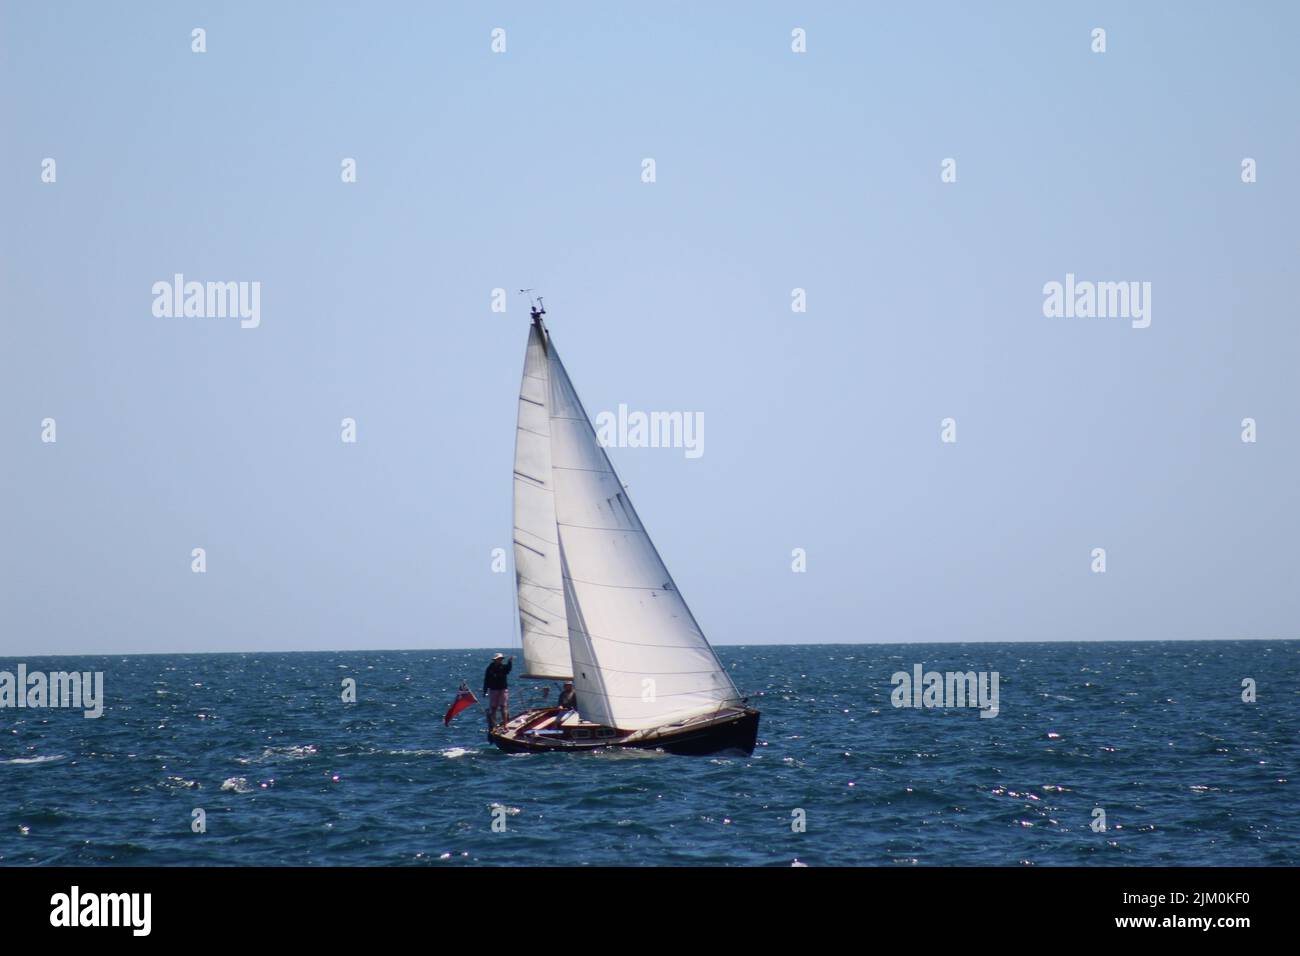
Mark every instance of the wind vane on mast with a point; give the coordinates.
(536, 308)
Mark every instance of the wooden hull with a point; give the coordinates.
(537, 731)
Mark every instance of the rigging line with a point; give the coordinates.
(595, 471)
(539, 607)
(615, 640)
(546, 620)
(542, 587)
(682, 694)
(615, 670)
(625, 587)
(534, 635)
(540, 617)
(589, 527)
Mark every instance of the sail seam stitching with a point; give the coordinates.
(590, 527)
(615, 640)
(625, 587)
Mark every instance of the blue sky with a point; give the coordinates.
(775, 170)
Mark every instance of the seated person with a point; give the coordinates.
(568, 696)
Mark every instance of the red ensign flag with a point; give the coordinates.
(464, 697)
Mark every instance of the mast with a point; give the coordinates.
(539, 587)
(537, 309)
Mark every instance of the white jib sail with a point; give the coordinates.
(639, 658)
(543, 626)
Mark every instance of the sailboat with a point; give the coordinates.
(596, 604)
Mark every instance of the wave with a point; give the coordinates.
(297, 752)
(391, 786)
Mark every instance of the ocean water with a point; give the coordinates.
(1156, 734)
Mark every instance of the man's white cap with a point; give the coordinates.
(497, 657)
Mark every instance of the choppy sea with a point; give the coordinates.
(1157, 735)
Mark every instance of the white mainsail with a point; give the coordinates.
(543, 626)
(639, 659)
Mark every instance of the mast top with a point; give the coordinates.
(537, 308)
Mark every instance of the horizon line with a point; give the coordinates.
(490, 647)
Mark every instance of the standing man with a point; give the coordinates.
(495, 688)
